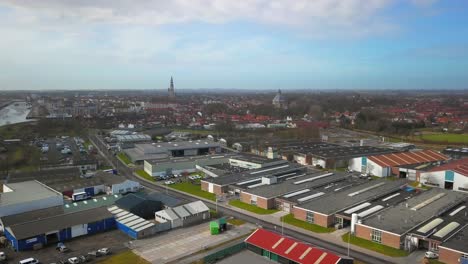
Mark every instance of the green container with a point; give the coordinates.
(214, 227)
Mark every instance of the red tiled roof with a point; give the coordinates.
(459, 166)
(405, 158)
(290, 248)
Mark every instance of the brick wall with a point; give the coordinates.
(266, 203)
(204, 186)
(245, 197)
(388, 239)
(448, 256)
(321, 220)
(217, 189)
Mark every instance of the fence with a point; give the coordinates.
(224, 253)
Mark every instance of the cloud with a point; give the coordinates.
(317, 17)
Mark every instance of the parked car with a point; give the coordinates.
(61, 247)
(29, 261)
(2, 256)
(104, 251)
(431, 255)
(74, 260)
(169, 182)
(84, 258)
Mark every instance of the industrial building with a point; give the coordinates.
(135, 226)
(168, 166)
(454, 250)
(456, 153)
(126, 186)
(432, 233)
(452, 176)
(101, 201)
(235, 181)
(249, 161)
(392, 226)
(184, 215)
(268, 193)
(388, 164)
(34, 234)
(336, 157)
(282, 249)
(140, 205)
(322, 211)
(27, 196)
(161, 150)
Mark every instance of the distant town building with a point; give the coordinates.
(280, 101)
(170, 90)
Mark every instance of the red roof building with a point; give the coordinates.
(459, 166)
(406, 158)
(291, 249)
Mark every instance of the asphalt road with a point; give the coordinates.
(127, 172)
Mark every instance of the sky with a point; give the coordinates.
(230, 44)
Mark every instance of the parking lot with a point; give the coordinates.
(114, 240)
(181, 242)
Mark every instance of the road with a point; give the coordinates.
(127, 172)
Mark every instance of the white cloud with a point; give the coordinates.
(317, 16)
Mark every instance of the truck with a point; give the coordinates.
(80, 196)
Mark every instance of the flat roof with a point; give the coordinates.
(58, 222)
(179, 145)
(408, 215)
(348, 152)
(343, 199)
(285, 186)
(26, 191)
(369, 208)
(222, 158)
(106, 200)
(255, 158)
(458, 214)
(31, 215)
(458, 241)
(256, 174)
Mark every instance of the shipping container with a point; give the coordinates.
(80, 196)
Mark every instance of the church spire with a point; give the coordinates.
(170, 90)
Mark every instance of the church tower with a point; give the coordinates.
(170, 90)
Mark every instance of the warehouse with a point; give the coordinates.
(43, 231)
(338, 157)
(322, 211)
(456, 153)
(372, 206)
(135, 226)
(454, 250)
(126, 186)
(133, 138)
(162, 150)
(388, 164)
(27, 196)
(106, 200)
(235, 181)
(184, 215)
(30, 216)
(265, 194)
(249, 161)
(169, 166)
(452, 176)
(284, 249)
(433, 232)
(140, 205)
(391, 226)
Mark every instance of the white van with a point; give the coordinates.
(29, 261)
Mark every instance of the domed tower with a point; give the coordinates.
(280, 101)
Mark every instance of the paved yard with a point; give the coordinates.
(114, 240)
(181, 242)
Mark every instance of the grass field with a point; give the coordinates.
(145, 175)
(251, 208)
(124, 258)
(289, 219)
(382, 249)
(446, 138)
(124, 158)
(193, 189)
